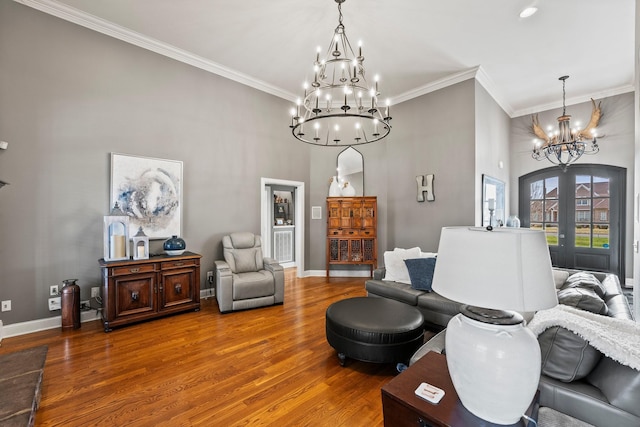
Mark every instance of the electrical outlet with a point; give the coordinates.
(54, 304)
(210, 277)
(6, 305)
(95, 292)
(53, 290)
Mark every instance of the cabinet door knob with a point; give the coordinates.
(134, 270)
(178, 288)
(134, 296)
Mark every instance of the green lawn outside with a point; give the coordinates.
(581, 241)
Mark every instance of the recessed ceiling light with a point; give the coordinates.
(528, 12)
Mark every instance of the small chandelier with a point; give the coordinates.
(339, 107)
(566, 145)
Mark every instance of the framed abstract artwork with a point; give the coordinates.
(149, 191)
(493, 198)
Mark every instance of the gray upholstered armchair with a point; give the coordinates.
(245, 279)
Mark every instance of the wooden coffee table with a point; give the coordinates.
(401, 407)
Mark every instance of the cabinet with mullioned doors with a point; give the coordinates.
(352, 231)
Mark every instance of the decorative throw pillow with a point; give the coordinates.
(560, 277)
(566, 356)
(421, 272)
(584, 299)
(585, 280)
(395, 268)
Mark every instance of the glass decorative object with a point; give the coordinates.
(513, 221)
(116, 235)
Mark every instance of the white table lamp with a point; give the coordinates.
(493, 359)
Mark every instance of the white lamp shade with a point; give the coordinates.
(502, 269)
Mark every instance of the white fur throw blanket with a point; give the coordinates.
(618, 339)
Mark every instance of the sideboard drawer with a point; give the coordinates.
(179, 263)
(133, 269)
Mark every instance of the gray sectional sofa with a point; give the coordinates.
(576, 379)
(437, 310)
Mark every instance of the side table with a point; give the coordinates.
(401, 407)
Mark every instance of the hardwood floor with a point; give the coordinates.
(267, 366)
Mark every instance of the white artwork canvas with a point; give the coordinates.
(149, 191)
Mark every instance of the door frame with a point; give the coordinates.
(616, 173)
(265, 218)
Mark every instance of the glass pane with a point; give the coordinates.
(583, 186)
(536, 226)
(583, 215)
(551, 188)
(535, 211)
(600, 187)
(601, 210)
(537, 190)
(551, 211)
(551, 231)
(583, 236)
(601, 236)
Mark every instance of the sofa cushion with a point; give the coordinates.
(246, 260)
(253, 285)
(619, 383)
(582, 298)
(421, 272)
(565, 355)
(396, 269)
(585, 280)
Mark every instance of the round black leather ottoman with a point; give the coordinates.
(374, 329)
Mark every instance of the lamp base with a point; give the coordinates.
(494, 364)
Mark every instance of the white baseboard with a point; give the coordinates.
(207, 293)
(30, 326)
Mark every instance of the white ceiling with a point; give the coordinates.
(415, 46)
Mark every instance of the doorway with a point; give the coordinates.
(581, 211)
(270, 214)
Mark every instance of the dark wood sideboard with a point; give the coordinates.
(136, 290)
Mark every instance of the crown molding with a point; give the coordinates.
(477, 73)
(436, 85)
(489, 85)
(92, 22)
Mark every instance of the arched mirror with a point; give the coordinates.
(351, 169)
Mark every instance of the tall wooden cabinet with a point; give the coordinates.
(144, 289)
(352, 231)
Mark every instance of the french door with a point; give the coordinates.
(582, 213)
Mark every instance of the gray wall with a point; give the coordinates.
(616, 149)
(636, 227)
(492, 146)
(70, 96)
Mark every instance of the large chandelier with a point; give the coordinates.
(339, 107)
(566, 145)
